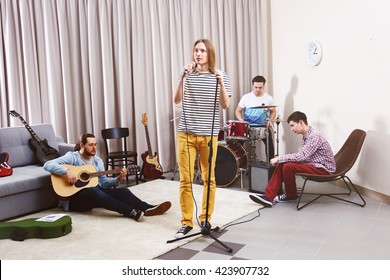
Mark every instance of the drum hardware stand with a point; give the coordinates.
(198, 173)
(206, 230)
(267, 141)
(242, 170)
(225, 128)
(277, 135)
(267, 134)
(198, 177)
(253, 155)
(174, 171)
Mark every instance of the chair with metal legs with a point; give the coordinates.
(345, 159)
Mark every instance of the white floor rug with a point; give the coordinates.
(104, 235)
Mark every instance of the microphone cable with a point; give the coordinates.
(188, 150)
(233, 223)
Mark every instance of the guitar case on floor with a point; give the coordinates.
(50, 226)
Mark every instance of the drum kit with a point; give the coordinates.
(232, 156)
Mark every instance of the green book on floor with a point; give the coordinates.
(50, 226)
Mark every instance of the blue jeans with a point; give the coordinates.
(120, 200)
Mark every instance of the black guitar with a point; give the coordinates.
(43, 151)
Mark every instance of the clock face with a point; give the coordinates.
(314, 53)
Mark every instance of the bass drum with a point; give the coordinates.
(231, 158)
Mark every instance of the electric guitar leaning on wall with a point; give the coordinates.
(43, 151)
(151, 168)
(5, 169)
(87, 177)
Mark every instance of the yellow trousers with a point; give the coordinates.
(188, 147)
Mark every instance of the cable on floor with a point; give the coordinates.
(242, 222)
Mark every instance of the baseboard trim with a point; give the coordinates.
(367, 192)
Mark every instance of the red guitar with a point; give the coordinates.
(151, 168)
(5, 169)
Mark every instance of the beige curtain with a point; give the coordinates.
(85, 65)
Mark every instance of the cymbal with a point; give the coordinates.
(263, 107)
(278, 120)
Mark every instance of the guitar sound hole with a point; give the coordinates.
(84, 176)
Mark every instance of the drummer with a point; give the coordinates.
(258, 117)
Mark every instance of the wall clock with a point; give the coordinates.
(314, 53)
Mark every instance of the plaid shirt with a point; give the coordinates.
(315, 150)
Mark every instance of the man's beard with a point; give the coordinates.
(87, 153)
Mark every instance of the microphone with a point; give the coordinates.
(194, 65)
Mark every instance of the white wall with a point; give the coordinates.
(349, 89)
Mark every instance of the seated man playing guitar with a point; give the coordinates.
(120, 200)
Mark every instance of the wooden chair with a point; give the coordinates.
(117, 154)
(345, 159)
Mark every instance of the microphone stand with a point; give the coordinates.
(206, 230)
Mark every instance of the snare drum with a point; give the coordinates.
(237, 130)
(257, 133)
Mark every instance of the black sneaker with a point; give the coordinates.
(283, 198)
(158, 209)
(136, 215)
(183, 231)
(261, 199)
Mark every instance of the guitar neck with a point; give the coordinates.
(148, 141)
(33, 134)
(130, 169)
(106, 172)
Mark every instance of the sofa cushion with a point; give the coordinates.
(24, 179)
(15, 141)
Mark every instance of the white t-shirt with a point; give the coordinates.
(256, 116)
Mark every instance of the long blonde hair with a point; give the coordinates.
(210, 53)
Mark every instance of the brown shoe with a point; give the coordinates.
(158, 209)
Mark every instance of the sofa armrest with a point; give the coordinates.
(65, 147)
(59, 139)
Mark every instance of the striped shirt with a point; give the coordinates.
(198, 104)
(315, 150)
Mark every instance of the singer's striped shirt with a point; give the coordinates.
(198, 104)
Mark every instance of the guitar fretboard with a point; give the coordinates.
(28, 127)
(132, 169)
(150, 154)
(33, 134)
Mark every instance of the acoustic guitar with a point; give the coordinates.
(5, 169)
(87, 177)
(151, 167)
(43, 151)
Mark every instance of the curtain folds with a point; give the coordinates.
(85, 65)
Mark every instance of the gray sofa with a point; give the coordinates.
(29, 188)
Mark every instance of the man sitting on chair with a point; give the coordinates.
(315, 157)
